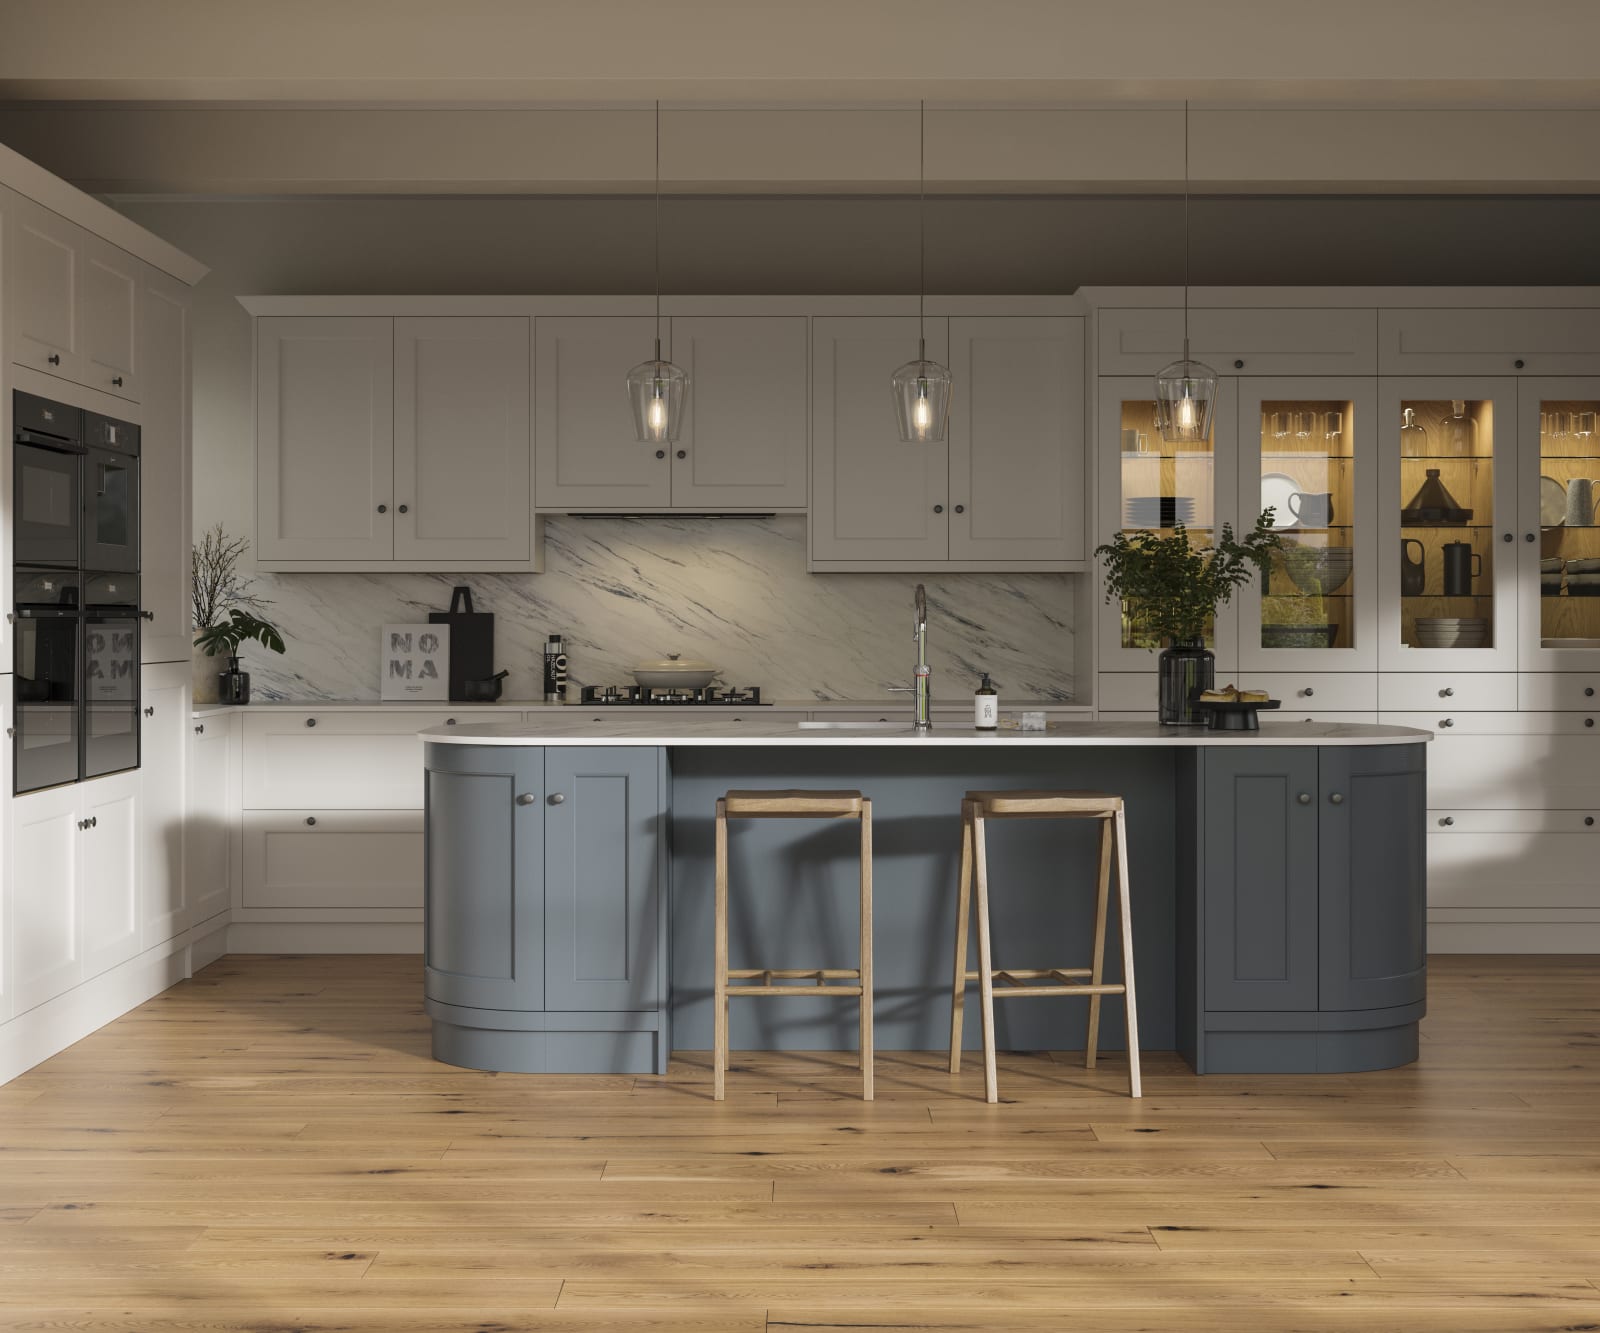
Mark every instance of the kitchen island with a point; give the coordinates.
(1279, 887)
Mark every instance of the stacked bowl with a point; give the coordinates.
(1318, 569)
(1452, 631)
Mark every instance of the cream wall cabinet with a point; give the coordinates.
(74, 862)
(1005, 489)
(1289, 341)
(211, 823)
(111, 293)
(165, 466)
(393, 444)
(1465, 341)
(163, 757)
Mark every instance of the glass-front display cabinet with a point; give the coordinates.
(1559, 503)
(1149, 484)
(1307, 451)
(1447, 504)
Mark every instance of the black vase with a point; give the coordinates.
(1185, 669)
(233, 685)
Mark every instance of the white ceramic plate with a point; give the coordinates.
(1275, 492)
(1552, 503)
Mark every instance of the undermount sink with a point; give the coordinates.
(852, 726)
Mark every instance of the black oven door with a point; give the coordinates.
(111, 511)
(47, 507)
(47, 681)
(110, 674)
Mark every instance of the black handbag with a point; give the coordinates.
(471, 641)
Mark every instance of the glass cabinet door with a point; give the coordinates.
(1307, 452)
(1558, 498)
(1446, 500)
(1148, 484)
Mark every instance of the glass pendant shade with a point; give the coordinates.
(1186, 400)
(922, 399)
(657, 392)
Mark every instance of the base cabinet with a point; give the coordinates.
(213, 816)
(1308, 898)
(544, 906)
(164, 736)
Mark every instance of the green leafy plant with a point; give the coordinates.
(1172, 587)
(240, 627)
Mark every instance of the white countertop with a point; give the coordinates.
(702, 730)
(900, 705)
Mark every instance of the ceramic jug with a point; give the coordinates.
(1461, 565)
(1413, 573)
(1310, 509)
(1581, 501)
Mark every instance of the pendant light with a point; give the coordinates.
(657, 389)
(1186, 391)
(922, 387)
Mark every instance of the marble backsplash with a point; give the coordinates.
(734, 592)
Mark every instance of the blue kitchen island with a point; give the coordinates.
(1279, 887)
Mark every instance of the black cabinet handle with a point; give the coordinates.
(1238, 364)
(1447, 821)
(961, 509)
(683, 453)
(311, 722)
(1519, 363)
(1337, 798)
(150, 711)
(1308, 691)
(54, 358)
(405, 509)
(1588, 821)
(1588, 691)
(938, 509)
(661, 453)
(94, 821)
(1446, 693)
(383, 509)
(200, 729)
(1528, 537)
(449, 721)
(117, 380)
(311, 820)
(1588, 722)
(1304, 798)
(1508, 537)
(147, 615)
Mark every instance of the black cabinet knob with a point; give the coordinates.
(1447, 821)
(1588, 821)
(1506, 538)
(150, 711)
(147, 615)
(1588, 691)
(200, 729)
(449, 721)
(1447, 721)
(1238, 364)
(1519, 363)
(938, 509)
(961, 509)
(1588, 722)
(661, 453)
(311, 722)
(405, 509)
(1308, 691)
(1528, 537)
(311, 820)
(383, 509)
(683, 453)
(117, 380)
(54, 358)
(1446, 693)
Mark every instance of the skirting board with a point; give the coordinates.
(325, 937)
(51, 1027)
(1514, 937)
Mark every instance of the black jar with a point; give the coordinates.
(233, 685)
(1185, 669)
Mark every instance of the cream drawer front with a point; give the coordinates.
(1474, 767)
(1447, 723)
(339, 859)
(338, 761)
(1524, 822)
(1478, 691)
(1525, 870)
(1548, 689)
(1335, 691)
(1289, 713)
(1488, 342)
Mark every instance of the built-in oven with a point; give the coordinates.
(110, 673)
(48, 449)
(47, 681)
(111, 495)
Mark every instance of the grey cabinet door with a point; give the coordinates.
(484, 934)
(1259, 906)
(1373, 876)
(601, 878)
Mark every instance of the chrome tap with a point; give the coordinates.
(922, 682)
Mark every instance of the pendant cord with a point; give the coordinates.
(922, 226)
(1186, 229)
(658, 229)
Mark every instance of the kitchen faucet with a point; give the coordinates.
(922, 686)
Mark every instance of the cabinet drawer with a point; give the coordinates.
(1494, 859)
(1500, 761)
(1488, 342)
(1579, 690)
(333, 859)
(1268, 342)
(1326, 691)
(335, 761)
(1472, 691)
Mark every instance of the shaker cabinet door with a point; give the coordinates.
(164, 448)
(44, 271)
(1259, 904)
(110, 320)
(163, 752)
(602, 818)
(1372, 854)
(110, 871)
(483, 940)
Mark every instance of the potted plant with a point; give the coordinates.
(225, 616)
(1172, 588)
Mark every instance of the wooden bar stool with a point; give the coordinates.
(778, 981)
(976, 809)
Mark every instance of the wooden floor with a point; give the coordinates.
(269, 1147)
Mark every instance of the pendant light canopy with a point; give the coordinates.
(921, 388)
(1186, 390)
(657, 389)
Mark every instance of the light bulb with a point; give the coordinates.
(656, 414)
(922, 411)
(1188, 419)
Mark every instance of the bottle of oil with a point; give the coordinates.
(986, 706)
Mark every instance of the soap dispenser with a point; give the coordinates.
(986, 706)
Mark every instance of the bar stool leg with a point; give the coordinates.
(1125, 912)
(958, 997)
(866, 951)
(719, 1042)
(1098, 966)
(991, 1091)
